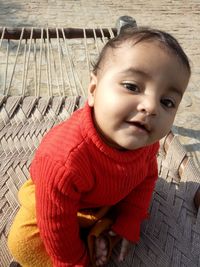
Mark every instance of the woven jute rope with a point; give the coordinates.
(48, 62)
(171, 236)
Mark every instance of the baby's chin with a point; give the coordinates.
(127, 147)
(134, 145)
(127, 142)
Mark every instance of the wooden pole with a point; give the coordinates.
(70, 33)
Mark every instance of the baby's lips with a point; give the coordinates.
(141, 124)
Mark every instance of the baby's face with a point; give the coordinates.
(136, 94)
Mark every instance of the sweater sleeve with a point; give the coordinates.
(133, 209)
(57, 203)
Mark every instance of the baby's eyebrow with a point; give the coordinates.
(132, 70)
(176, 91)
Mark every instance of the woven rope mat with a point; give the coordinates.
(171, 237)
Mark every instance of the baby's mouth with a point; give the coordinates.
(139, 125)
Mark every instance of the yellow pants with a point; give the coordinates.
(24, 240)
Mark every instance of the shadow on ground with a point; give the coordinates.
(192, 133)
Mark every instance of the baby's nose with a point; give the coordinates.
(148, 105)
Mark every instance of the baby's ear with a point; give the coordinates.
(92, 89)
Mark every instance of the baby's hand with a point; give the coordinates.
(101, 249)
(125, 245)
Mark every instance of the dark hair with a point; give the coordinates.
(141, 34)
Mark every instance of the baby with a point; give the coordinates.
(105, 153)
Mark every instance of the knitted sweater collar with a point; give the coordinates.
(92, 137)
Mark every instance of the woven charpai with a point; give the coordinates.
(171, 237)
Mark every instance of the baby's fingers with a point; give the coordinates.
(101, 250)
(124, 249)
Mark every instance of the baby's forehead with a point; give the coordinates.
(114, 54)
(152, 58)
(111, 54)
(142, 60)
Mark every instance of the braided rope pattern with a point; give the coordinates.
(171, 237)
(23, 123)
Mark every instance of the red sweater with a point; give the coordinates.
(73, 169)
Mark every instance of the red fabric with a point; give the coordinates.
(74, 169)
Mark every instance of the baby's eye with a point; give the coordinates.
(131, 86)
(168, 103)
